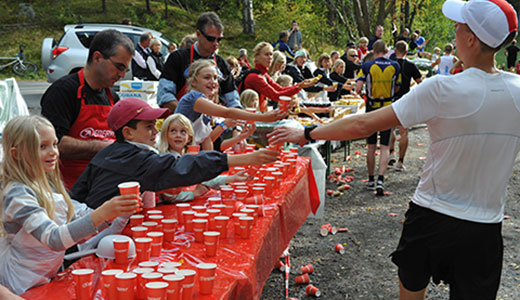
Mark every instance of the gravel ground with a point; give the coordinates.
(365, 271)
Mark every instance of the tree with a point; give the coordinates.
(148, 9)
(166, 9)
(104, 6)
(247, 17)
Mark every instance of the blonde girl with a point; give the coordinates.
(199, 104)
(39, 220)
(249, 99)
(176, 134)
(277, 65)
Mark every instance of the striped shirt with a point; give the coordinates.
(33, 249)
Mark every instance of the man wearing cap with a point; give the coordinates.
(173, 84)
(132, 157)
(452, 230)
(78, 104)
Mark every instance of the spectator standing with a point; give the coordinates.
(447, 61)
(299, 71)
(155, 61)
(142, 51)
(334, 55)
(377, 36)
(352, 64)
(350, 45)
(511, 53)
(404, 36)
(242, 59)
(282, 46)
(338, 69)
(277, 65)
(455, 210)
(295, 37)
(382, 78)
(421, 43)
(409, 71)
(363, 47)
(173, 84)
(171, 47)
(78, 104)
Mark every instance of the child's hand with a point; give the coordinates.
(240, 176)
(200, 190)
(248, 131)
(274, 115)
(115, 207)
(263, 156)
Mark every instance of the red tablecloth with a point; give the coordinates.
(243, 265)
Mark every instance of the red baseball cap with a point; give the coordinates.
(132, 108)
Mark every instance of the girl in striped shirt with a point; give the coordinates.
(39, 220)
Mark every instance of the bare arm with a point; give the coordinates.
(438, 61)
(211, 109)
(5, 294)
(260, 157)
(73, 148)
(353, 127)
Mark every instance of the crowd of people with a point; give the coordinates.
(61, 170)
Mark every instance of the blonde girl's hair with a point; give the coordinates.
(259, 48)
(196, 67)
(164, 147)
(21, 133)
(284, 80)
(232, 61)
(321, 58)
(337, 63)
(278, 60)
(248, 98)
(363, 40)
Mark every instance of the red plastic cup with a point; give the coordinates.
(143, 248)
(140, 281)
(214, 200)
(187, 283)
(311, 290)
(157, 241)
(292, 165)
(170, 265)
(269, 185)
(152, 226)
(226, 192)
(230, 206)
(173, 291)
(193, 149)
(236, 223)
(169, 226)
(339, 248)
(199, 226)
(246, 223)
(180, 208)
(220, 207)
(211, 242)
(284, 102)
(307, 269)
(250, 213)
(258, 195)
(157, 219)
(278, 179)
(198, 209)
(202, 215)
(129, 188)
(136, 220)
(206, 277)
(211, 219)
(83, 282)
(302, 278)
(241, 194)
(126, 283)
(121, 250)
(252, 111)
(149, 264)
(139, 231)
(221, 225)
(108, 278)
(256, 208)
(147, 278)
(167, 271)
(188, 216)
(156, 290)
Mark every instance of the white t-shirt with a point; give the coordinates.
(446, 64)
(474, 125)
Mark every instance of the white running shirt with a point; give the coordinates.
(445, 65)
(474, 125)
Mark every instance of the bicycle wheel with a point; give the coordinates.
(24, 68)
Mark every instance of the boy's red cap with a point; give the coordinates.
(133, 108)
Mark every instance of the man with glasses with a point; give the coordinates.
(173, 84)
(78, 104)
(352, 64)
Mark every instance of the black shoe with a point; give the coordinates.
(380, 189)
(371, 185)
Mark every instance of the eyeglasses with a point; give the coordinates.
(119, 66)
(353, 55)
(210, 38)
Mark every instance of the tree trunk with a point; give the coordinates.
(331, 20)
(104, 6)
(148, 9)
(247, 17)
(166, 9)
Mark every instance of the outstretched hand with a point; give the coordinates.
(275, 115)
(264, 156)
(117, 206)
(287, 134)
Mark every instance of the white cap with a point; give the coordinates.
(491, 20)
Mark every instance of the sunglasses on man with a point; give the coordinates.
(210, 38)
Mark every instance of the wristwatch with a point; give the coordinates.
(307, 132)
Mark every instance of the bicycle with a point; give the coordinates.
(19, 65)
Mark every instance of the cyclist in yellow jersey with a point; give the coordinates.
(382, 78)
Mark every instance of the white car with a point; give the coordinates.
(70, 54)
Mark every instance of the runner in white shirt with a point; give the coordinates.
(446, 61)
(452, 230)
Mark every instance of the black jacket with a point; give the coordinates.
(122, 161)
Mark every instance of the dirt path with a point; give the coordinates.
(365, 271)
